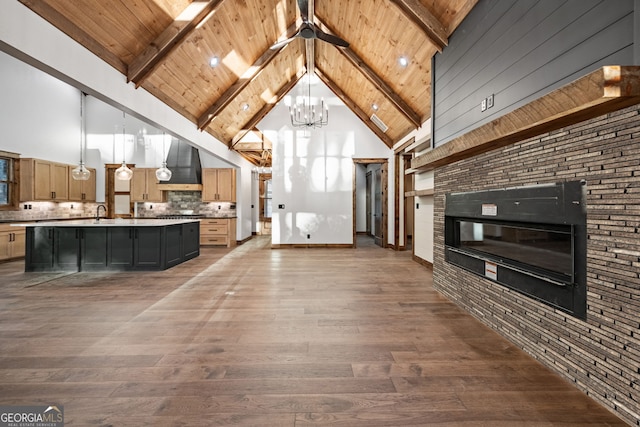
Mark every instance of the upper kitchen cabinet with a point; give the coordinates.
(144, 186)
(43, 180)
(83, 191)
(218, 185)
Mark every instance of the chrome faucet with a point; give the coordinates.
(98, 211)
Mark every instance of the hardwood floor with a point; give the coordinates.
(261, 337)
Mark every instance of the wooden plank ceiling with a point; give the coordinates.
(165, 47)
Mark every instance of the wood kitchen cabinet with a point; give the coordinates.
(82, 191)
(43, 180)
(144, 186)
(218, 232)
(12, 242)
(218, 185)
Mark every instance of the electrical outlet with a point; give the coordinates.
(483, 105)
(280, 206)
(490, 101)
(417, 205)
(308, 236)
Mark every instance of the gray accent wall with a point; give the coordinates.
(520, 50)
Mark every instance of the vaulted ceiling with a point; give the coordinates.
(167, 48)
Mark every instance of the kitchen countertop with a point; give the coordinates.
(106, 222)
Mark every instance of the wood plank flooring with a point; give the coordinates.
(260, 337)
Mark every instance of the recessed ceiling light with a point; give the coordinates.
(214, 61)
(375, 107)
(403, 61)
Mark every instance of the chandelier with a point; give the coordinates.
(308, 115)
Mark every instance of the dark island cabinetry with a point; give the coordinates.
(96, 247)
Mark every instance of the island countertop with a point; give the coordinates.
(108, 222)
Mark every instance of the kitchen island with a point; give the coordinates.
(110, 244)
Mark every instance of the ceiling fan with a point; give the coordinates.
(308, 30)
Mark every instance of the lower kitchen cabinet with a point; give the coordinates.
(66, 248)
(12, 241)
(191, 240)
(93, 242)
(120, 248)
(218, 231)
(148, 247)
(99, 248)
(39, 249)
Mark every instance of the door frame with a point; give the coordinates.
(384, 178)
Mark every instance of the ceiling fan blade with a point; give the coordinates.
(304, 9)
(330, 38)
(282, 43)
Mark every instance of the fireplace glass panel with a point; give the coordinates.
(549, 250)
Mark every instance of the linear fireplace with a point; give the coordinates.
(530, 239)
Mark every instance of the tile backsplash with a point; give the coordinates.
(185, 202)
(30, 211)
(178, 202)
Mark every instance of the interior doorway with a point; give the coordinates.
(265, 209)
(374, 199)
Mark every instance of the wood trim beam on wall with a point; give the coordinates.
(602, 91)
(172, 36)
(428, 23)
(354, 107)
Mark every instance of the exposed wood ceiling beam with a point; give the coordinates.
(382, 86)
(266, 108)
(236, 88)
(376, 80)
(354, 107)
(61, 22)
(428, 23)
(172, 36)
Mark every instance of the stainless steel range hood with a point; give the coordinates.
(183, 161)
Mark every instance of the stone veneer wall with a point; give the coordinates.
(602, 354)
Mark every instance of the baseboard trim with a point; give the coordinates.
(311, 246)
(423, 262)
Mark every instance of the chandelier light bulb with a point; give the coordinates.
(80, 173)
(123, 173)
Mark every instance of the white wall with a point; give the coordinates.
(39, 115)
(313, 173)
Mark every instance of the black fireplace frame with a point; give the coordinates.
(558, 208)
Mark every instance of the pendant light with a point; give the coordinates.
(123, 173)
(163, 173)
(80, 172)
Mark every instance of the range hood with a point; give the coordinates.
(183, 161)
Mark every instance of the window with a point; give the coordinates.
(8, 187)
